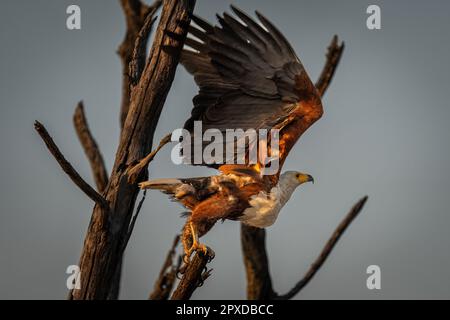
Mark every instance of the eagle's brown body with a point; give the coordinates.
(210, 199)
(228, 203)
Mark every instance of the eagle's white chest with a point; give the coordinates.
(265, 207)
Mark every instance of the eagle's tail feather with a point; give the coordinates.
(167, 185)
(174, 187)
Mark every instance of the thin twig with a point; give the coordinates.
(326, 250)
(135, 171)
(90, 148)
(168, 274)
(133, 220)
(334, 55)
(67, 167)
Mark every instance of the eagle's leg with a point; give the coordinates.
(191, 242)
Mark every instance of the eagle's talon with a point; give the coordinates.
(206, 274)
(201, 249)
(187, 257)
(211, 254)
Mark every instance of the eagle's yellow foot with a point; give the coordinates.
(197, 246)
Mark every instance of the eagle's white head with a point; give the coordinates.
(292, 179)
(288, 182)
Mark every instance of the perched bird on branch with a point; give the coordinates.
(249, 78)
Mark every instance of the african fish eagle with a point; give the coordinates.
(249, 77)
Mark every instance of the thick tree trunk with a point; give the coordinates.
(109, 228)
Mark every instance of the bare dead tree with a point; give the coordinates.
(148, 88)
(147, 79)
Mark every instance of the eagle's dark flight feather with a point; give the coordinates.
(247, 72)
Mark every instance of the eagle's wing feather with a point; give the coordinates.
(248, 74)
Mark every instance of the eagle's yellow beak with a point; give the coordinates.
(303, 178)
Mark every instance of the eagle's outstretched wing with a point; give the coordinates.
(249, 78)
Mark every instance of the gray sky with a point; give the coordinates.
(385, 133)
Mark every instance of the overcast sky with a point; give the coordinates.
(384, 133)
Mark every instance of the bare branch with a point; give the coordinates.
(90, 148)
(136, 13)
(326, 250)
(334, 55)
(168, 274)
(133, 220)
(136, 170)
(67, 167)
(194, 275)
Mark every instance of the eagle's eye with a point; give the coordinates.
(297, 175)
